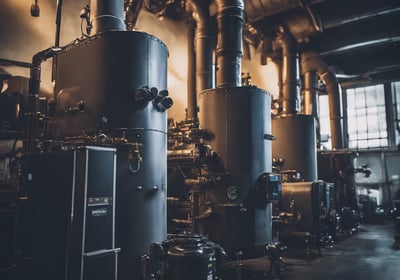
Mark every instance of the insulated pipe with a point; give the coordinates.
(309, 93)
(107, 15)
(203, 47)
(312, 62)
(58, 23)
(34, 87)
(191, 110)
(230, 20)
(290, 92)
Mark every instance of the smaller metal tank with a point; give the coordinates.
(182, 257)
(296, 144)
(191, 260)
(306, 213)
(238, 120)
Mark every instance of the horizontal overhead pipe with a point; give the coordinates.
(312, 62)
(339, 13)
(230, 20)
(258, 9)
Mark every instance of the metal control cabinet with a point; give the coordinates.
(68, 221)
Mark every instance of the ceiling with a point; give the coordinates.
(358, 39)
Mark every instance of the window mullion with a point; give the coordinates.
(389, 115)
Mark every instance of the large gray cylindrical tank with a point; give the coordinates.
(102, 73)
(296, 144)
(239, 121)
(96, 83)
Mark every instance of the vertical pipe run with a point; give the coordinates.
(191, 110)
(58, 23)
(132, 10)
(335, 109)
(309, 104)
(203, 47)
(309, 93)
(290, 93)
(311, 61)
(230, 22)
(107, 15)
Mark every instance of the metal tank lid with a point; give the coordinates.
(79, 42)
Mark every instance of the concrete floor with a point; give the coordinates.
(367, 255)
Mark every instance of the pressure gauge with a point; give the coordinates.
(232, 193)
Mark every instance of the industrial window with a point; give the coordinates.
(324, 123)
(366, 117)
(396, 107)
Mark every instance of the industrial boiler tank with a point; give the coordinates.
(111, 89)
(305, 215)
(338, 167)
(238, 122)
(295, 145)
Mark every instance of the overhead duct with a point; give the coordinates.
(312, 62)
(289, 94)
(334, 13)
(107, 15)
(230, 20)
(297, 15)
(203, 47)
(258, 9)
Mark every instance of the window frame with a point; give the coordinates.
(391, 115)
